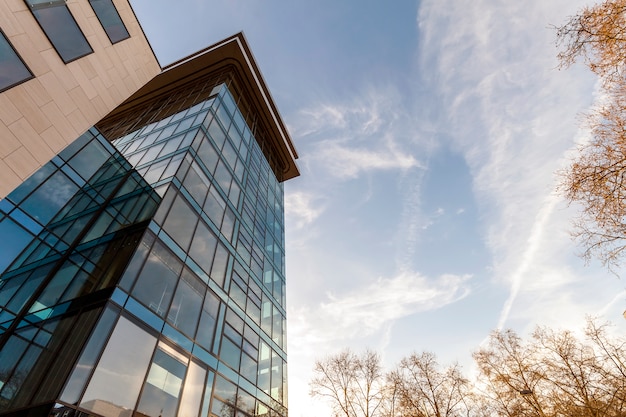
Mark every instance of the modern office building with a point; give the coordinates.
(142, 252)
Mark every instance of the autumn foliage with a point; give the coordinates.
(595, 178)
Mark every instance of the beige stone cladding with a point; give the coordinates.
(39, 117)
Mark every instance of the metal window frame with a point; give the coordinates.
(2, 89)
(105, 28)
(38, 5)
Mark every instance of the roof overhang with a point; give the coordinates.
(232, 58)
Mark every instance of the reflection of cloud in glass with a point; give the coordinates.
(123, 364)
(48, 199)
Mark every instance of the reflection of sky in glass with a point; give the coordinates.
(48, 199)
(33, 181)
(164, 380)
(89, 159)
(123, 364)
(180, 223)
(203, 247)
(192, 393)
(13, 240)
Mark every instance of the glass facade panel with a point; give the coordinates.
(203, 247)
(14, 240)
(192, 392)
(157, 280)
(181, 222)
(124, 363)
(163, 386)
(110, 20)
(82, 371)
(12, 69)
(50, 197)
(208, 320)
(187, 303)
(61, 29)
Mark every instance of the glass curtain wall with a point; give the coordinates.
(75, 224)
(154, 300)
(200, 311)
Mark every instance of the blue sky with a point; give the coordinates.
(429, 134)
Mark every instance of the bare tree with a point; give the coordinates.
(549, 374)
(424, 389)
(353, 385)
(598, 35)
(511, 376)
(554, 373)
(595, 178)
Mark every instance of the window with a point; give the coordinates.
(61, 29)
(12, 69)
(110, 20)
(123, 363)
(164, 383)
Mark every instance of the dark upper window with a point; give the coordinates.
(110, 20)
(61, 29)
(12, 69)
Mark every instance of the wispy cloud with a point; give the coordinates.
(368, 132)
(366, 310)
(346, 161)
(514, 118)
(303, 208)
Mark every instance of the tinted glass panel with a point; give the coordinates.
(83, 368)
(60, 27)
(123, 364)
(192, 392)
(89, 159)
(14, 239)
(50, 197)
(163, 385)
(208, 320)
(12, 69)
(203, 247)
(156, 283)
(180, 223)
(186, 304)
(110, 20)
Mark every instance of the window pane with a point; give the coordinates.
(123, 364)
(89, 159)
(196, 183)
(163, 385)
(61, 29)
(85, 364)
(192, 393)
(14, 240)
(225, 389)
(110, 20)
(230, 354)
(203, 247)
(50, 197)
(180, 223)
(218, 272)
(12, 69)
(208, 320)
(187, 303)
(156, 283)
